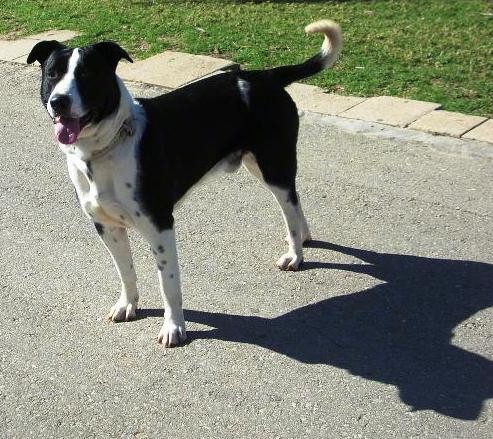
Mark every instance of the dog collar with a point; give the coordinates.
(126, 130)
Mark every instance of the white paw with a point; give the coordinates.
(121, 311)
(289, 262)
(172, 334)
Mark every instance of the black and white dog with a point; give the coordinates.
(132, 160)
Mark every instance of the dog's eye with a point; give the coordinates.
(52, 74)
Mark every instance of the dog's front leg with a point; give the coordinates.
(163, 247)
(115, 240)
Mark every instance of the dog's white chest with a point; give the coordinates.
(104, 209)
(101, 194)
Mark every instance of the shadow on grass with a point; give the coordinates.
(398, 332)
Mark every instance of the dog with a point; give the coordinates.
(131, 160)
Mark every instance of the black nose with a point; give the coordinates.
(60, 104)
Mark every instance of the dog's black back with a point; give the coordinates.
(193, 128)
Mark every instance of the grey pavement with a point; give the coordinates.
(386, 332)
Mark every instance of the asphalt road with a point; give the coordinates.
(386, 332)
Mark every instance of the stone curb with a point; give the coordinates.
(17, 50)
(175, 69)
(172, 69)
(447, 123)
(392, 111)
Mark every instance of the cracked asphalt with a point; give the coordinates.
(386, 332)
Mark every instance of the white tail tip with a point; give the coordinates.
(332, 45)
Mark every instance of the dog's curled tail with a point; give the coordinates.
(331, 48)
(332, 45)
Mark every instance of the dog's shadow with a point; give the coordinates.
(398, 332)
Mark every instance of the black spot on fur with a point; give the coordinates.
(89, 171)
(137, 213)
(171, 276)
(128, 185)
(164, 262)
(160, 267)
(160, 249)
(99, 228)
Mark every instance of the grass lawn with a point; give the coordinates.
(431, 50)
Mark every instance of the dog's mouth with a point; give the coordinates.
(67, 129)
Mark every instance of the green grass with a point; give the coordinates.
(432, 50)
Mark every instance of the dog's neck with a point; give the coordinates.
(98, 139)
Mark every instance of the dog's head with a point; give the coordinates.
(79, 86)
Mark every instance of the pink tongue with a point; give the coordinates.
(67, 130)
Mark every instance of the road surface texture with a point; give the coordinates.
(386, 332)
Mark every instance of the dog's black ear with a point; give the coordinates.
(112, 52)
(42, 50)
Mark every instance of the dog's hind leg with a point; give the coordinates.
(294, 219)
(116, 242)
